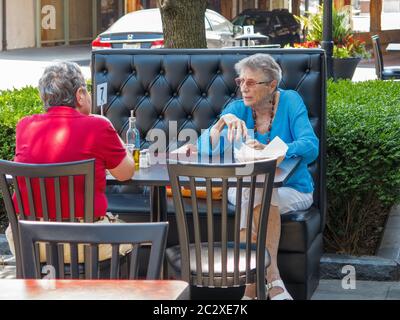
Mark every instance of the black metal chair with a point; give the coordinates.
(57, 234)
(12, 174)
(382, 72)
(213, 260)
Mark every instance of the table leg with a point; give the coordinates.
(158, 203)
(158, 206)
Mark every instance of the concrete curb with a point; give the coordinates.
(366, 267)
(4, 248)
(385, 266)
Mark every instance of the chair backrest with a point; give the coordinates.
(31, 184)
(376, 44)
(92, 234)
(260, 174)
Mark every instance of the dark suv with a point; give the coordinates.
(279, 25)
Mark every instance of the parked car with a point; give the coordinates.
(143, 29)
(279, 25)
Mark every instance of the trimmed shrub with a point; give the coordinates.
(363, 156)
(14, 105)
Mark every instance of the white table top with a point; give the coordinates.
(393, 47)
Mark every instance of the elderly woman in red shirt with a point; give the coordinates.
(68, 132)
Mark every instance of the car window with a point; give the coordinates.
(259, 21)
(287, 20)
(207, 24)
(218, 22)
(239, 20)
(139, 21)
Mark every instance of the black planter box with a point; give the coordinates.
(344, 68)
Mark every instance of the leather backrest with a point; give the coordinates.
(192, 86)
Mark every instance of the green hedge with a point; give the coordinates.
(363, 156)
(15, 104)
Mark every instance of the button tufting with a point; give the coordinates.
(218, 71)
(117, 93)
(175, 94)
(307, 70)
(160, 116)
(161, 71)
(190, 71)
(104, 71)
(146, 94)
(189, 116)
(233, 94)
(204, 94)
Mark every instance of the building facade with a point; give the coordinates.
(36, 23)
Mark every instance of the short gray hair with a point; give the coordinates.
(59, 83)
(263, 62)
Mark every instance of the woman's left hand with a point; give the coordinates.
(252, 143)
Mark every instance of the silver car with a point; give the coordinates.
(143, 29)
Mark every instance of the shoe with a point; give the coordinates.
(281, 296)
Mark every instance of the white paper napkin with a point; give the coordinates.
(275, 149)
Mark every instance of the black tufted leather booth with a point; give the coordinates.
(192, 87)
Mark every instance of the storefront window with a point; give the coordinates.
(52, 21)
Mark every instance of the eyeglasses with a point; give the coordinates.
(248, 82)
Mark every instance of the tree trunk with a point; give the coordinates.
(183, 23)
(375, 9)
(296, 7)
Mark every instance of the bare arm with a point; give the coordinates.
(125, 170)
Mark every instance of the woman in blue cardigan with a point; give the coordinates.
(266, 112)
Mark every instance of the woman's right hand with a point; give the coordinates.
(236, 127)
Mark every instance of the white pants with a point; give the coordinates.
(285, 198)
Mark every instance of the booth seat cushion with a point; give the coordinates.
(299, 230)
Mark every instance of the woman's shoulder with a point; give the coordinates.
(236, 103)
(291, 100)
(290, 96)
(235, 106)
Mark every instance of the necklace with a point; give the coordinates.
(272, 113)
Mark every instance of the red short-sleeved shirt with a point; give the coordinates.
(63, 135)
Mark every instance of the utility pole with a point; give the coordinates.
(327, 38)
(4, 26)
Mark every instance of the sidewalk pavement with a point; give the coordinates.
(364, 290)
(24, 67)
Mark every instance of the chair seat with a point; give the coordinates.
(391, 72)
(173, 255)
